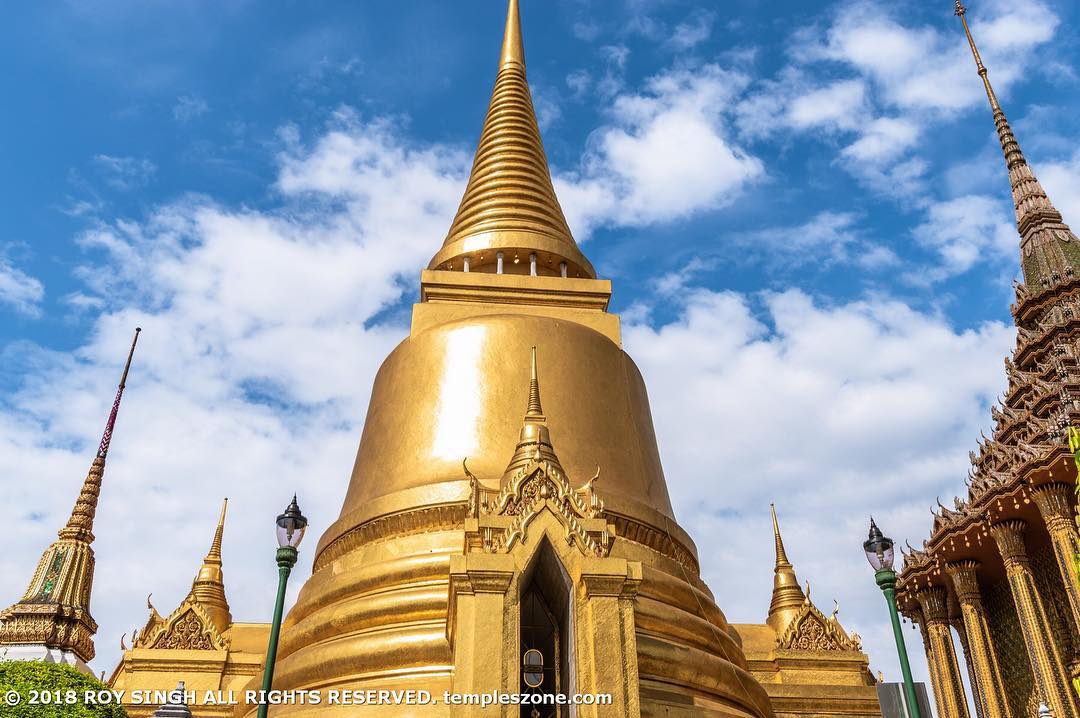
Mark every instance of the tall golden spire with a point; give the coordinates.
(788, 597)
(209, 585)
(53, 621)
(510, 207)
(1050, 252)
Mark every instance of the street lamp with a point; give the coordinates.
(291, 526)
(880, 554)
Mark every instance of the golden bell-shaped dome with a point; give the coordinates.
(470, 531)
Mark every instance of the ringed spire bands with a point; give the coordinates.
(510, 219)
(1050, 252)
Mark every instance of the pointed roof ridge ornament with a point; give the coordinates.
(788, 597)
(509, 206)
(1050, 252)
(80, 525)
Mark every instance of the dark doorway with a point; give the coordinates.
(545, 658)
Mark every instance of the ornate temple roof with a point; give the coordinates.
(798, 623)
(203, 618)
(1027, 448)
(54, 613)
(510, 203)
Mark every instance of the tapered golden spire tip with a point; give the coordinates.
(535, 410)
(510, 220)
(781, 553)
(788, 596)
(513, 50)
(208, 589)
(215, 545)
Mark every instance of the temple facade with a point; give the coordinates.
(999, 571)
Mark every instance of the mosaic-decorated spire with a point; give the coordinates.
(1050, 252)
(53, 621)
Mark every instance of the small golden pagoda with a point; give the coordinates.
(52, 622)
(198, 643)
(807, 662)
(999, 570)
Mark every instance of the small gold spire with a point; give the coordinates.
(788, 597)
(208, 588)
(535, 439)
(535, 412)
(509, 206)
(781, 554)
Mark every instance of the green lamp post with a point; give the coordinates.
(879, 552)
(290, 532)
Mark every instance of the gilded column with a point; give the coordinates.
(980, 646)
(957, 622)
(924, 632)
(1044, 652)
(1055, 505)
(948, 686)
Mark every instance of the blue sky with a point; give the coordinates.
(802, 205)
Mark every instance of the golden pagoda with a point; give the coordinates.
(479, 549)
(52, 621)
(999, 570)
(807, 662)
(198, 643)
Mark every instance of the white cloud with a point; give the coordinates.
(888, 81)
(262, 332)
(693, 31)
(833, 412)
(839, 105)
(964, 231)
(1061, 180)
(829, 237)
(124, 173)
(189, 107)
(665, 155)
(19, 290)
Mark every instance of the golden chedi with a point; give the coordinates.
(488, 527)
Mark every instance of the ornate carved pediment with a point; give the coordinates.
(504, 516)
(812, 631)
(189, 628)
